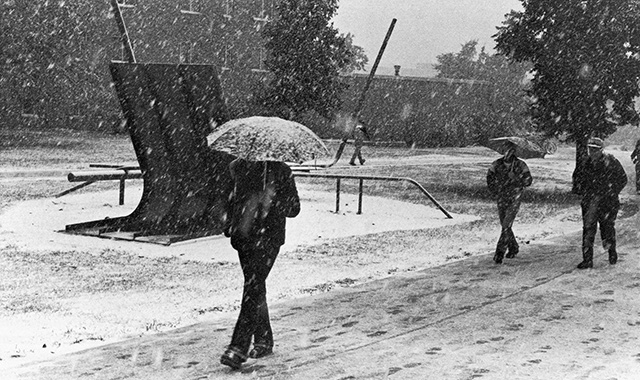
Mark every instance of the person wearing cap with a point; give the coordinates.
(507, 177)
(635, 157)
(599, 182)
(359, 134)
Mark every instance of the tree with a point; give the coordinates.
(358, 59)
(305, 57)
(462, 65)
(50, 63)
(585, 64)
(505, 113)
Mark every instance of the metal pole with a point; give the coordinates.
(77, 187)
(124, 35)
(337, 195)
(360, 103)
(121, 200)
(363, 94)
(360, 196)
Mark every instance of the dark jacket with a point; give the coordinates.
(504, 184)
(605, 177)
(259, 203)
(635, 155)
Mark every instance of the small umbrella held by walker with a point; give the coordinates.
(524, 148)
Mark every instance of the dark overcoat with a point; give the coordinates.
(264, 194)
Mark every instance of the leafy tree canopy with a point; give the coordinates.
(358, 58)
(52, 62)
(305, 55)
(585, 63)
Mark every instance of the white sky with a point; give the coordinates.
(425, 28)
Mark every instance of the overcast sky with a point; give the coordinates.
(425, 28)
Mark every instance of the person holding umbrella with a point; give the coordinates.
(506, 178)
(599, 182)
(264, 194)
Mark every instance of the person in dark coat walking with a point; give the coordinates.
(264, 194)
(599, 182)
(507, 177)
(635, 157)
(359, 134)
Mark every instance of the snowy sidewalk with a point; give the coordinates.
(534, 317)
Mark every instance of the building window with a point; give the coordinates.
(186, 51)
(262, 18)
(127, 3)
(228, 9)
(29, 100)
(190, 9)
(261, 56)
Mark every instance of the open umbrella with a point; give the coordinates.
(260, 138)
(524, 148)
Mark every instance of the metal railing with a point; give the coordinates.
(362, 178)
(122, 173)
(119, 173)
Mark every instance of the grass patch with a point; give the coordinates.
(25, 149)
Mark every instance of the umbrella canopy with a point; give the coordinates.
(524, 148)
(260, 138)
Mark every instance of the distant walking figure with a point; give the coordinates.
(507, 177)
(359, 134)
(599, 182)
(635, 157)
(263, 195)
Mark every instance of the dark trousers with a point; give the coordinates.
(357, 152)
(638, 177)
(507, 210)
(603, 211)
(253, 321)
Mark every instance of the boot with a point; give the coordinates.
(497, 258)
(512, 252)
(260, 350)
(233, 358)
(613, 257)
(585, 264)
(587, 258)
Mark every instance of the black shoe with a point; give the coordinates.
(232, 358)
(585, 264)
(497, 258)
(362, 162)
(352, 163)
(512, 254)
(613, 257)
(260, 351)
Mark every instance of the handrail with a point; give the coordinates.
(375, 178)
(89, 177)
(121, 173)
